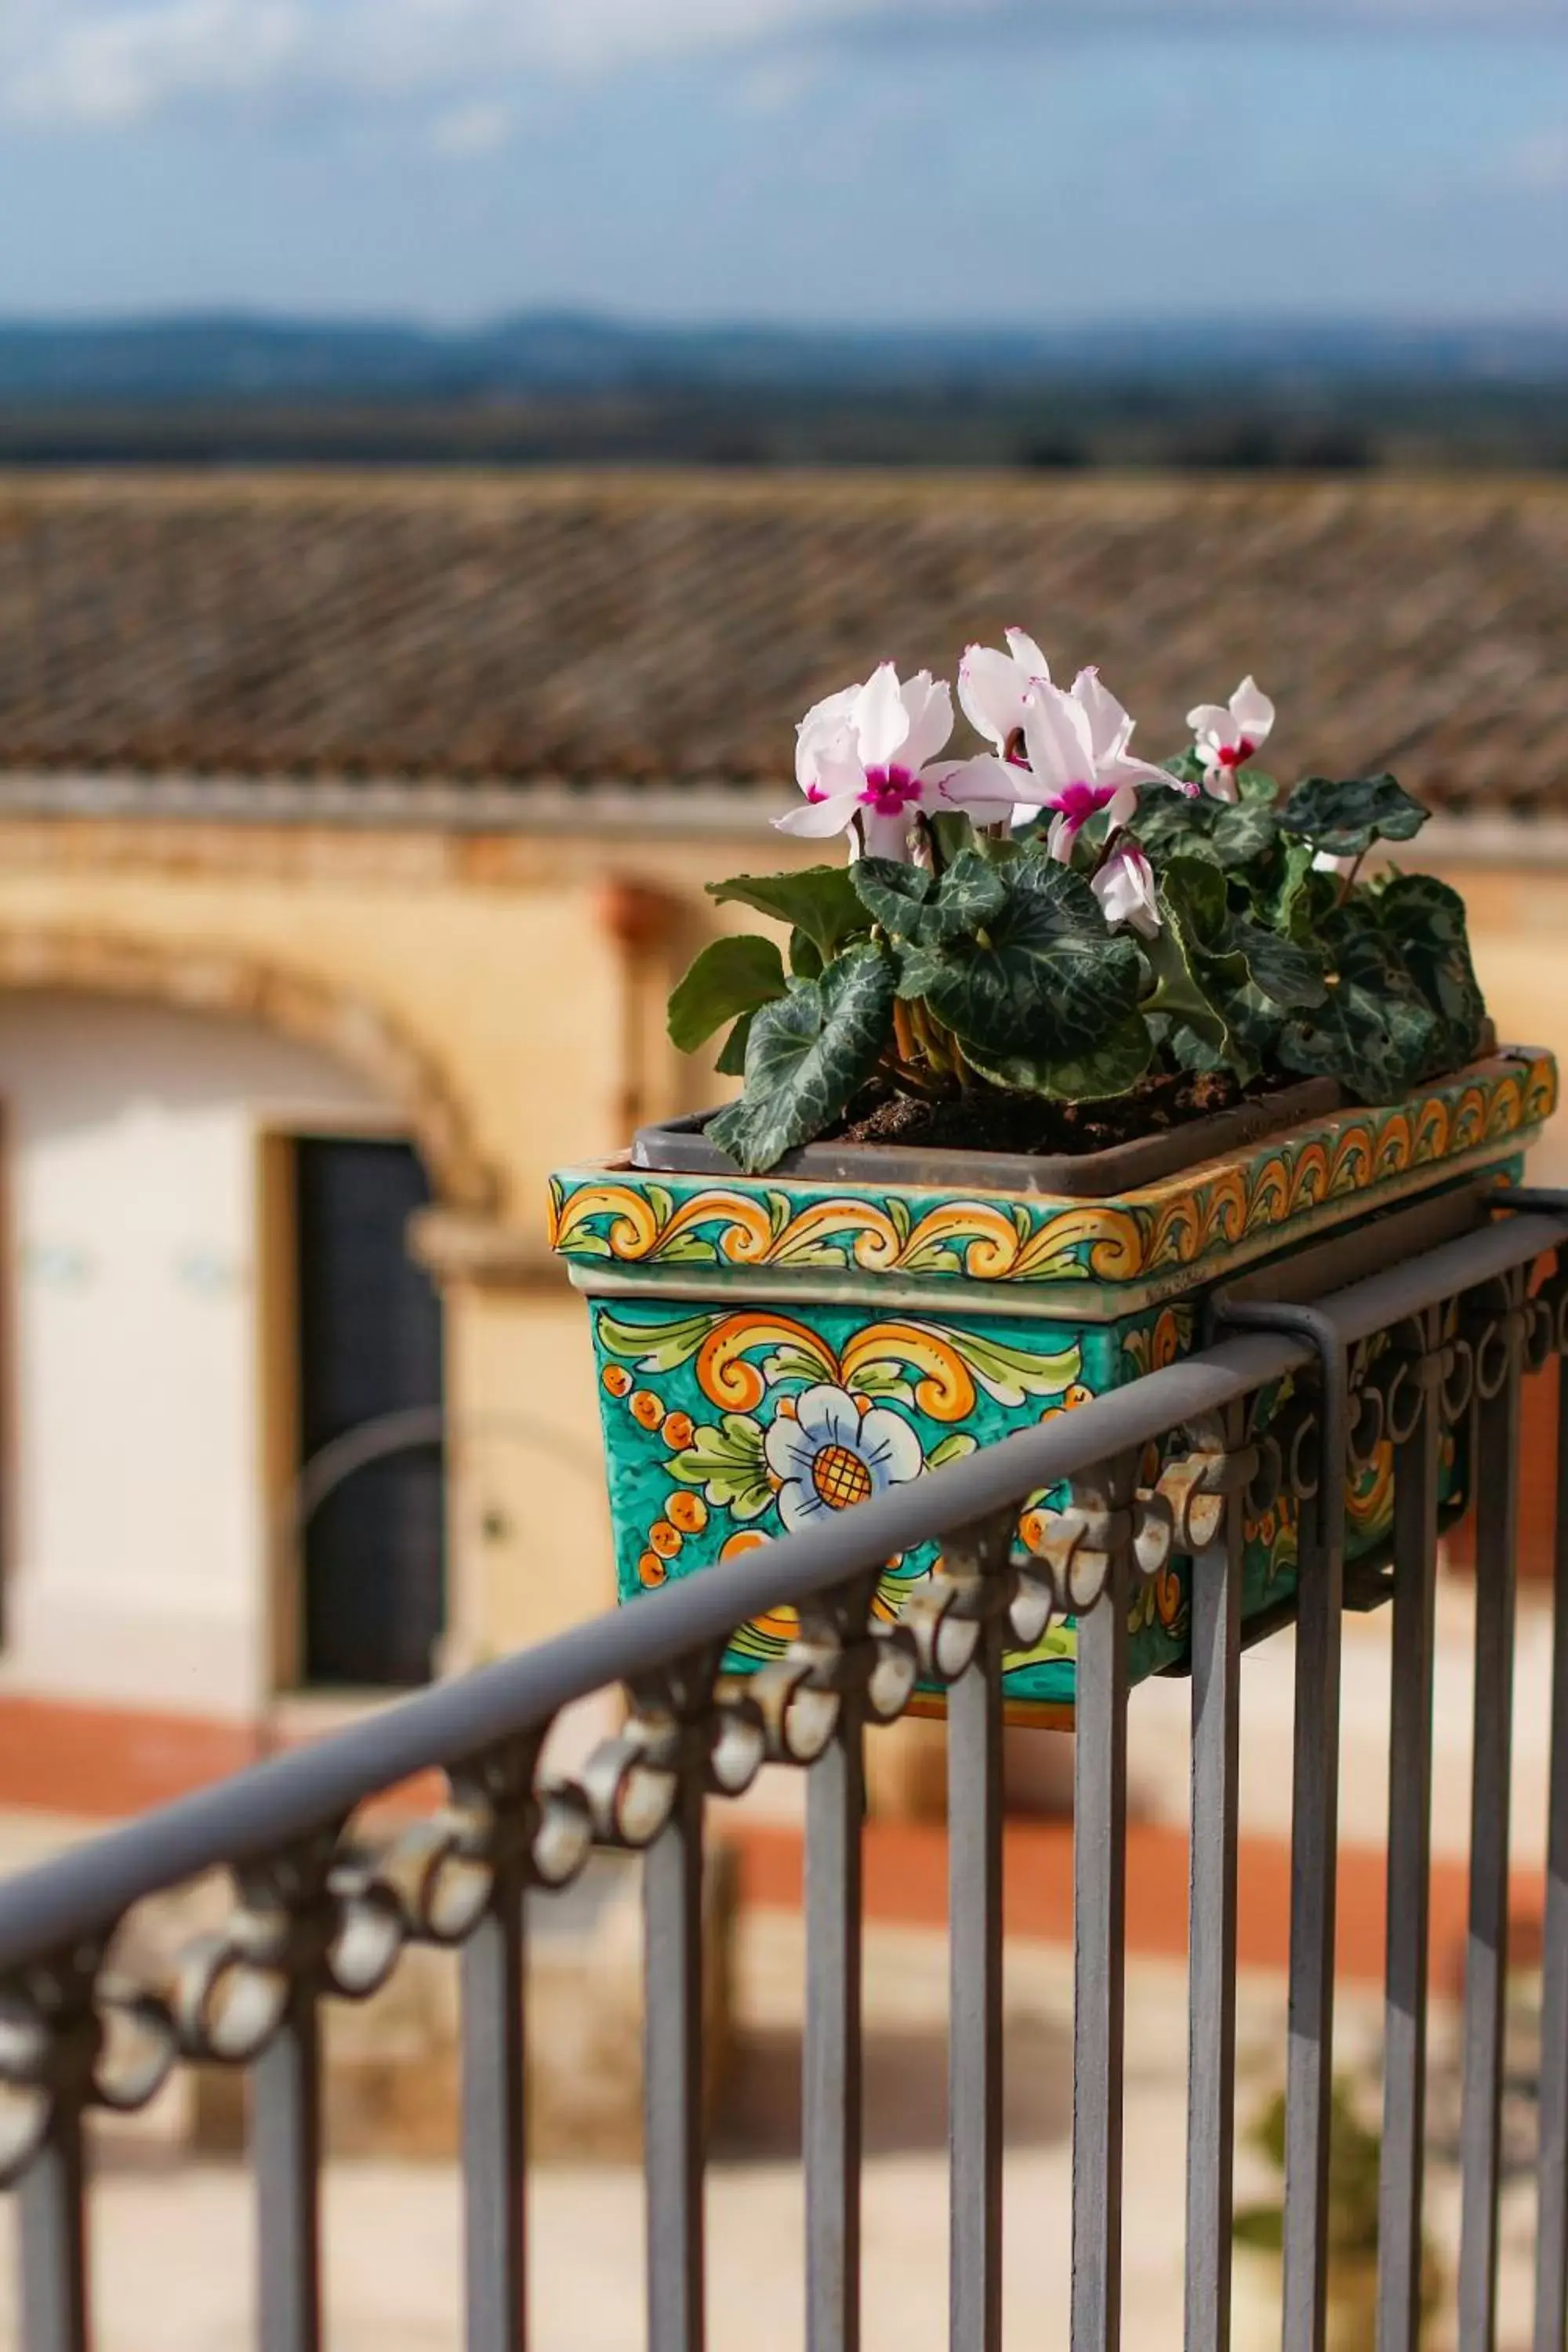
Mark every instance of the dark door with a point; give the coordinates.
(370, 1343)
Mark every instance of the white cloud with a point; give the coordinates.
(97, 61)
(111, 65)
(471, 130)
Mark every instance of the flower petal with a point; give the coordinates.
(1028, 654)
(888, 837)
(928, 703)
(1252, 711)
(1127, 770)
(799, 1502)
(984, 786)
(1056, 732)
(822, 723)
(815, 819)
(829, 1415)
(1211, 722)
(787, 1448)
(881, 720)
(1063, 832)
(889, 1447)
(991, 690)
(1108, 725)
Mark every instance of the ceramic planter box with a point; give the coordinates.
(771, 1348)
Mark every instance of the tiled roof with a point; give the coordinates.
(669, 628)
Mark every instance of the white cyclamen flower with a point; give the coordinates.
(868, 758)
(1076, 748)
(827, 1453)
(1125, 889)
(992, 687)
(1073, 746)
(1228, 734)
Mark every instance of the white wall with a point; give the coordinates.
(136, 1548)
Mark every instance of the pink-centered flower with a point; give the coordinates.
(866, 759)
(992, 687)
(1125, 889)
(1228, 735)
(1075, 746)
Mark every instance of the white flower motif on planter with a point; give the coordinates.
(827, 1453)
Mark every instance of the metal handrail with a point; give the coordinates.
(1404, 1370)
(286, 1797)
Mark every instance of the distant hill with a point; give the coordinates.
(553, 388)
(219, 357)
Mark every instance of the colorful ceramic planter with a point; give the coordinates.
(773, 1349)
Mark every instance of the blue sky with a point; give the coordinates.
(1007, 160)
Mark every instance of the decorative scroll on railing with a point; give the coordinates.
(1173, 1465)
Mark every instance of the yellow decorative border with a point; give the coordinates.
(618, 1217)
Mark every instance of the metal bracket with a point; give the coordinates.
(1309, 1323)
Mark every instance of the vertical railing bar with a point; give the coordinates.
(1099, 1889)
(1415, 1474)
(831, 2090)
(1551, 2162)
(975, 2051)
(1486, 1944)
(1217, 1580)
(52, 2219)
(672, 2075)
(1313, 1875)
(286, 2151)
(493, 2061)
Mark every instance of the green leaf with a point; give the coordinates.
(1112, 1067)
(912, 903)
(1167, 822)
(660, 1346)
(1425, 920)
(1043, 978)
(1244, 832)
(805, 955)
(1373, 1031)
(954, 1447)
(1198, 967)
(1252, 784)
(819, 900)
(727, 1461)
(729, 977)
(808, 1056)
(1187, 767)
(953, 832)
(1344, 819)
(1286, 970)
(731, 1061)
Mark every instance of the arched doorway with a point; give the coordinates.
(170, 1122)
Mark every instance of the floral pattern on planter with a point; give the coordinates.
(725, 1429)
(1231, 1209)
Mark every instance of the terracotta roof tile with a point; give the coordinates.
(672, 627)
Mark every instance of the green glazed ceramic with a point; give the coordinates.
(771, 1350)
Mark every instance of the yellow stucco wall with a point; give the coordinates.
(502, 962)
(505, 962)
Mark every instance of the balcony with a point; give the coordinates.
(327, 1891)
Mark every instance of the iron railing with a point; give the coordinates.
(322, 1907)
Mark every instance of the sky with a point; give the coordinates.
(834, 162)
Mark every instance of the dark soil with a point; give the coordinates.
(1030, 1123)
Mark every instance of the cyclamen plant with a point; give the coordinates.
(1057, 917)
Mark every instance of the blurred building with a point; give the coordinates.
(351, 834)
